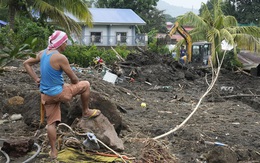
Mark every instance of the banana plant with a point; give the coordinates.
(12, 52)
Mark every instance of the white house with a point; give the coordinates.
(112, 27)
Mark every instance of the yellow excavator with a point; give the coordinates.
(197, 52)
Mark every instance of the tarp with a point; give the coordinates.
(73, 155)
(226, 46)
(2, 22)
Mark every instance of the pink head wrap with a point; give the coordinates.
(57, 39)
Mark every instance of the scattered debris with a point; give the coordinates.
(157, 151)
(16, 117)
(110, 77)
(161, 88)
(215, 143)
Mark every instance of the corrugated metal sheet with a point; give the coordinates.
(114, 16)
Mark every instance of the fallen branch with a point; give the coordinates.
(117, 55)
(241, 70)
(240, 95)
(141, 50)
(211, 85)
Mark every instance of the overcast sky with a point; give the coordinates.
(186, 3)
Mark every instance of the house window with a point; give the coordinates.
(95, 37)
(121, 37)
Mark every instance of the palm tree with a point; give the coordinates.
(213, 26)
(52, 11)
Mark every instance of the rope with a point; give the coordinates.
(213, 81)
(26, 161)
(121, 156)
(37, 152)
(6, 155)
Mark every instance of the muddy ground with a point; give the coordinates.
(229, 114)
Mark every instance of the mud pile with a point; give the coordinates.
(229, 115)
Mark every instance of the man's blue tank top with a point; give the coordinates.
(51, 80)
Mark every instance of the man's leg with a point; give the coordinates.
(83, 89)
(86, 112)
(53, 114)
(52, 135)
(85, 97)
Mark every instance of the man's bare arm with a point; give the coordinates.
(65, 66)
(28, 66)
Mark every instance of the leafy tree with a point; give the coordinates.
(209, 4)
(51, 10)
(3, 13)
(229, 8)
(136, 5)
(246, 11)
(155, 19)
(23, 41)
(169, 18)
(25, 28)
(146, 9)
(213, 26)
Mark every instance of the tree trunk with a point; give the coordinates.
(12, 12)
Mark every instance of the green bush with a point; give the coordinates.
(14, 41)
(84, 55)
(153, 45)
(231, 61)
(27, 38)
(24, 29)
(7, 37)
(11, 52)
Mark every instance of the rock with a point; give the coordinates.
(103, 130)
(18, 146)
(189, 75)
(3, 121)
(5, 116)
(72, 109)
(221, 155)
(13, 105)
(97, 101)
(108, 109)
(31, 109)
(16, 100)
(16, 117)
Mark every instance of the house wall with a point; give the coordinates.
(86, 37)
(126, 29)
(109, 37)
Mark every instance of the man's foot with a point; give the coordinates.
(53, 156)
(92, 113)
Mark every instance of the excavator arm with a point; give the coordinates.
(185, 35)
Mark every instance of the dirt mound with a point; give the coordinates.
(228, 115)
